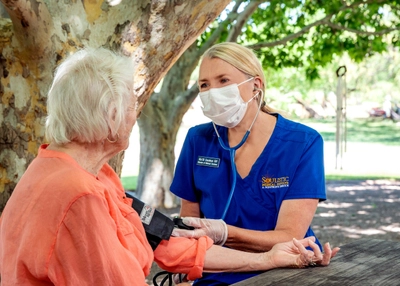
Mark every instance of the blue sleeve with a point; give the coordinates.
(183, 182)
(309, 177)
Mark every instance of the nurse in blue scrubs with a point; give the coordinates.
(254, 177)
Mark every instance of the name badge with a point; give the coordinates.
(208, 162)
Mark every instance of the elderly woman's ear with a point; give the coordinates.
(112, 124)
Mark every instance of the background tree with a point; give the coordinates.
(368, 83)
(40, 33)
(285, 33)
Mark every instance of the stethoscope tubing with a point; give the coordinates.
(232, 152)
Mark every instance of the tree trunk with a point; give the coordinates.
(311, 112)
(157, 159)
(41, 33)
(158, 127)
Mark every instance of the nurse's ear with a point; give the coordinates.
(257, 83)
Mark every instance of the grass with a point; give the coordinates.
(366, 130)
(129, 183)
(375, 148)
(338, 177)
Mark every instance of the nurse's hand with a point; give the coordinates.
(216, 229)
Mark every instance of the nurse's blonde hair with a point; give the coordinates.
(242, 58)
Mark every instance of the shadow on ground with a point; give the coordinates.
(359, 209)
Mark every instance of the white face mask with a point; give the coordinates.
(224, 106)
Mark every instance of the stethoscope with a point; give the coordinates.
(232, 153)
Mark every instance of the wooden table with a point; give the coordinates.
(363, 262)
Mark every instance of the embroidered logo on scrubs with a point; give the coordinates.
(146, 215)
(208, 162)
(272, 183)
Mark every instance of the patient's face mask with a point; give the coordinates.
(224, 105)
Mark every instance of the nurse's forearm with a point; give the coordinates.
(257, 241)
(294, 218)
(221, 259)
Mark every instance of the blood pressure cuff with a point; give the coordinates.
(157, 225)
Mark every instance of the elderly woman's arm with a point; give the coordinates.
(287, 254)
(183, 255)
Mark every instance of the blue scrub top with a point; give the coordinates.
(291, 166)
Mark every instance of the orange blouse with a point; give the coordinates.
(64, 226)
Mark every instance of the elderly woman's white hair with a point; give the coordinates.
(89, 96)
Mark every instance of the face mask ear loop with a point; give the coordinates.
(249, 79)
(258, 111)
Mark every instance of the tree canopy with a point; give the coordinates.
(309, 33)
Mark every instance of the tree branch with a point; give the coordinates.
(325, 20)
(221, 27)
(290, 37)
(192, 92)
(360, 32)
(241, 20)
(32, 24)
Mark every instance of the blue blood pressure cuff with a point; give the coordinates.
(157, 225)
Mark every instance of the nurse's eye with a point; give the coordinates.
(224, 80)
(203, 86)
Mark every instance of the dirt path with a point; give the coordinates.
(354, 210)
(358, 209)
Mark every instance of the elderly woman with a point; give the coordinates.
(68, 221)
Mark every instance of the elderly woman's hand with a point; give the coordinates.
(295, 254)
